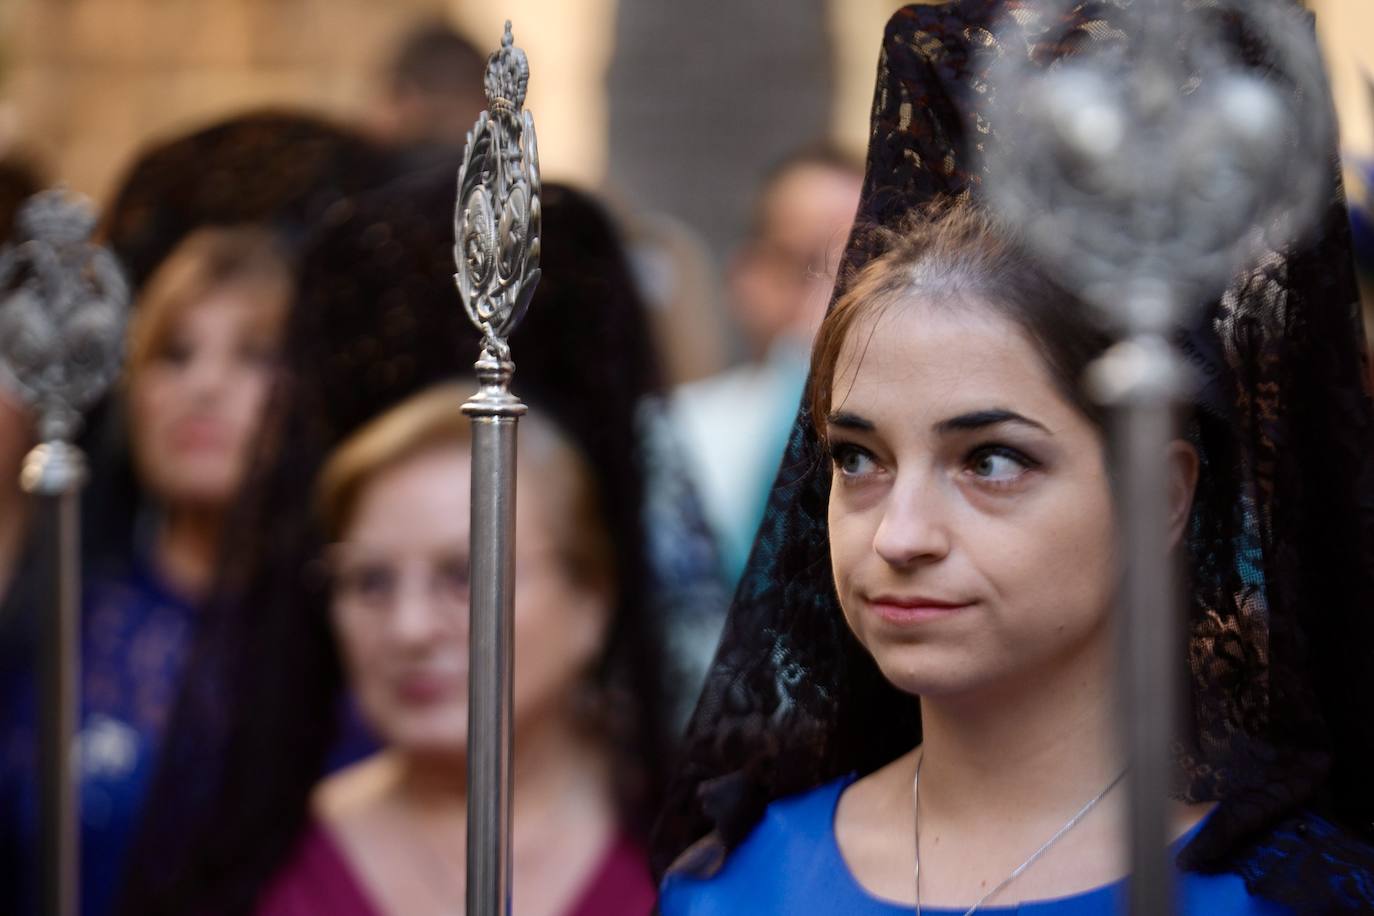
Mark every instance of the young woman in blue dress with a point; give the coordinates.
(912, 709)
(972, 544)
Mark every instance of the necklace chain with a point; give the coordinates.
(1030, 860)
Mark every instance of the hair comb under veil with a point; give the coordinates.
(1280, 550)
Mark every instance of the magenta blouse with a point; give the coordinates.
(317, 879)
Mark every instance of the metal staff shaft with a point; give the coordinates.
(1140, 379)
(1146, 669)
(53, 474)
(57, 533)
(1150, 650)
(491, 654)
(63, 302)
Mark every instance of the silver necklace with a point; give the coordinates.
(1016, 872)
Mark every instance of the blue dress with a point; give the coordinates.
(135, 636)
(791, 863)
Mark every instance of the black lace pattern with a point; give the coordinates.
(1280, 549)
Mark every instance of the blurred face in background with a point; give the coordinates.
(434, 89)
(781, 280)
(401, 593)
(203, 351)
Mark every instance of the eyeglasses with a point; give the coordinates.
(374, 581)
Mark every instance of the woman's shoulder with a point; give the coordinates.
(318, 877)
(621, 884)
(315, 879)
(786, 823)
(1310, 863)
(789, 863)
(343, 794)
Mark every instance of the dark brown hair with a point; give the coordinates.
(955, 253)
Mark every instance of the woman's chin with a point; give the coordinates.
(927, 672)
(429, 739)
(454, 752)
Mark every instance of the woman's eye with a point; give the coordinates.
(257, 355)
(175, 353)
(452, 577)
(371, 584)
(998, 464)
(851, 460)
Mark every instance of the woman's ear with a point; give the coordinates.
(1183, 474)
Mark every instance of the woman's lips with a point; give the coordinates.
(199, 436)
(907, 611)
(424, 689)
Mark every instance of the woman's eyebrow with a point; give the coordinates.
(845, 420)
(981, 419)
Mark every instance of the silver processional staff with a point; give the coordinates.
(1146, 173)
(63, 305)
(496, 249)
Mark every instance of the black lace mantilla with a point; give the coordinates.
(1280, 554)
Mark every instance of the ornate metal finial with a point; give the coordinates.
(1149, 169)
(496, 247)
(496, 221)
(508, 73)
(63, 305)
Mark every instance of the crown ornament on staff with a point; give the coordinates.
(1147, 168)
(63, 305)
(497, 218)
(1159, 164)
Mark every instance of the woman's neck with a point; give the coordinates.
(554, 762)
(415, 806)
(1001, 769)
(186, 548)
(1042, 744)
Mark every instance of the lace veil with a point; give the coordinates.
(1279, 558)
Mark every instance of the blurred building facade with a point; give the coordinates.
(675, 108)
(87, 82)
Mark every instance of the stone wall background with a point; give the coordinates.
(696, 99)
(85, 83)
(90, 81)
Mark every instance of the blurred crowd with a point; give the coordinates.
(275, 531)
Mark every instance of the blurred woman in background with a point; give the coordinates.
(389, 834)
(202, 350)
(207, 226)
(610, 557)
(201, 355)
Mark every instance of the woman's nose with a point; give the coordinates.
(913, 527)
(416, 617)
(207, 375)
